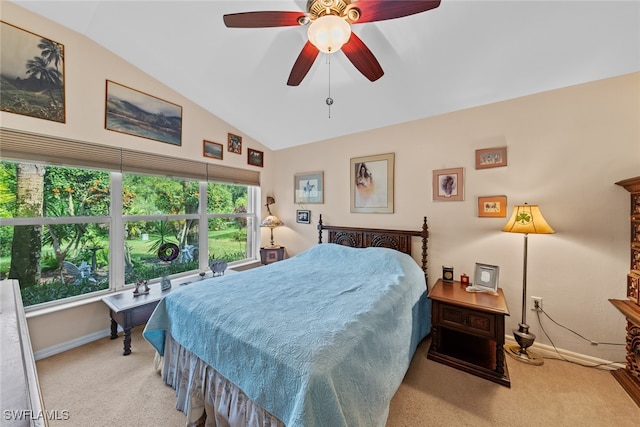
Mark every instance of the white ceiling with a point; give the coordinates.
(460, 55)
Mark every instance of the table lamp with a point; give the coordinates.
(271, 221)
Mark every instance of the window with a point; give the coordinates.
(58, 228)
(54, 232)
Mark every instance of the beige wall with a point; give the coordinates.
(566, 149)
(87, 67)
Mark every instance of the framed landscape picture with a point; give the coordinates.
(32, 80)
(372, 183)
(308, 187)
(212, 149)
(136, 113)
(255, 157)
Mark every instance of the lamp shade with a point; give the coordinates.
(527, 219)
(271, 221)
(328, 33)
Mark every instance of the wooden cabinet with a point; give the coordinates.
(468, 331)
(629, 377)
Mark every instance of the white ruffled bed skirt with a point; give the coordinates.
(205, 396)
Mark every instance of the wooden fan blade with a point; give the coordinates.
(262, 19)
(380, 10)
(303, 64)
(362, 58)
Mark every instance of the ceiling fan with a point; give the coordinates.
(330, 29)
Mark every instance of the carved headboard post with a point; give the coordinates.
(425, 239)
(320, 229)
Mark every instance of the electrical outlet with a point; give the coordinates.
(536, 303)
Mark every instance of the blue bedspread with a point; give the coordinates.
(321, 339)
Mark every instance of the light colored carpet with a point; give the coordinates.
(100, 387)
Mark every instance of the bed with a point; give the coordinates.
(322, 338)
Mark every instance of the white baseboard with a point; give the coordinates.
(59, 348)
(551, 353)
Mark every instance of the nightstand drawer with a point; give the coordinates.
(467, 320)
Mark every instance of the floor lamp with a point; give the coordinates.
(525, 219)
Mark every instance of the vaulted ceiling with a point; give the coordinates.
(459, 55)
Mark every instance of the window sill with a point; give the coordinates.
(80, 301)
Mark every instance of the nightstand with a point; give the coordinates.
(468, 331)
(269, 255)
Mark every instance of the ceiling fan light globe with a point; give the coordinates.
(329, 33)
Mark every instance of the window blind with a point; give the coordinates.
(21, 146)
(26, 146)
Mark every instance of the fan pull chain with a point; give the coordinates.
(329, 100)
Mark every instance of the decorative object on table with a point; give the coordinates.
(165, 283)
(212, 149)
(141, 288)
(218, 267)
(303, 216)
(492, 207)
(448, 185)
(269, 255)
(255, 157)
(464, 280)
(447, 274)
(308, 187)
(24, 53)
(162, 120)
(168, 252)
(372, 183)
(234, 143)
(526, 219)
(491, 158)
(485, 278)
(271, 221)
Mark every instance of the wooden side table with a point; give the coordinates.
(130, 311)
(269, 255)
(468, 331)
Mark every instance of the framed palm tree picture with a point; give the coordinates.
(32, 81)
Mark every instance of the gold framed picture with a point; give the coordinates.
(234, 143)
(308, 187)
(492, 207)
(212, 149)
(448, 185)
(491, 158)
(372, 183)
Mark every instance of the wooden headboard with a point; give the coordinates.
(357, 237)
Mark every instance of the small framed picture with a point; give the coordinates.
(303, 216)
(448, 185)
(492, 207)
(212, 149)
(308, 187)
(234, 143)
(491, 158)
(255, 157)
(486, 277)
